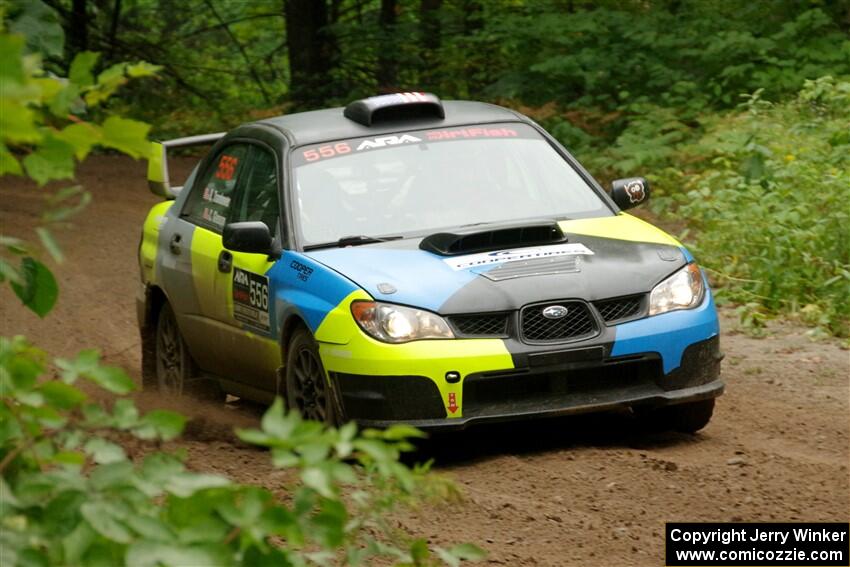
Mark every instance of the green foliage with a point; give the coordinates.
(622, 54)
(70, 495)
(39, 24)
(35, 286)
(47, 125)
(764, 192)
(226, 62)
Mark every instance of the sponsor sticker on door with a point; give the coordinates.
(251, 299)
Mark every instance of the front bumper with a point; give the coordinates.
(574, 382)
(660, 360)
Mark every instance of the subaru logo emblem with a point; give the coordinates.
(555, 312)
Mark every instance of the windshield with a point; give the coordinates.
(424, 181)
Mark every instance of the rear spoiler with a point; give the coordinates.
(158, 180)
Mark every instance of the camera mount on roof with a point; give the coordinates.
(392, 107)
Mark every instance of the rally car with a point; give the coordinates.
(407, 259)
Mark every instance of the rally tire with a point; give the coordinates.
(685, 418)
(307, 388)
(176, 372)
(690, 418)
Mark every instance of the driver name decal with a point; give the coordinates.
(500, 256)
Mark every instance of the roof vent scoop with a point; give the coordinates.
(498, 238)
(392, 107)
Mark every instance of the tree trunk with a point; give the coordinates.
(312, 51)
(113, 29)
(386, 74)
(476, 59)
(78, 28)
(429, 31)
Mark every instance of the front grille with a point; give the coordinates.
(518, 393)
(481, 325)
(578, 323)
(621, 308)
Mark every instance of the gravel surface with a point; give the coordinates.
(589, 490)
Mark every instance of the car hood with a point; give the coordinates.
(602, 258)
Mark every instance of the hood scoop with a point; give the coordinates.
(538, 267)
(497, 238)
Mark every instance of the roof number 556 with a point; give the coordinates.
(327, 151)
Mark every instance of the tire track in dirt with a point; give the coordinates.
(588, 490)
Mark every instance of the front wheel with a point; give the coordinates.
(685, 418)
(307, 388)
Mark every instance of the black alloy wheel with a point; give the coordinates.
(173, 365)
(307, 388)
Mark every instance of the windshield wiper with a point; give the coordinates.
(354, 240)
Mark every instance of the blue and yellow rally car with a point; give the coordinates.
(407, 259)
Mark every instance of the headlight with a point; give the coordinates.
(397, 324)
(682, 290)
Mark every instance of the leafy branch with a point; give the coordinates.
(70, 495)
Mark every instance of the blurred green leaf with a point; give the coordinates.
(82, 136)
(37, 290)
(8, 272)
(104, 452)
(50, 244)
(65, 101)
(81, 68)
(14, 245)
(106, 519)
(156, 554)
(11, 54)
(41, 26)
(61, 395)
(186, 484)
(142, 69)
(108, 82)
(329, 524)
(319, 480)
(128, 136)
(85, 361)
(276, 423)
(8, 163)
(125, 413)
(419, 552)
(401, 432)
(17, 125)
(52, 159)
(150, 528)
(111, 378)
(110, 475)
(461, 552)
(161, 424)
(7, 498)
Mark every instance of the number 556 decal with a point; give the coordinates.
(251, 299)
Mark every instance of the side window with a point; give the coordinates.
(258, 191)
(209, 203)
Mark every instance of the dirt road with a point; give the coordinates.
(579, 491)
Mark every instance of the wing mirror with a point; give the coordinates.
(630, 192)
(249, 236)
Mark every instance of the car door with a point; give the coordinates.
(244, 291)
(205, 212)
